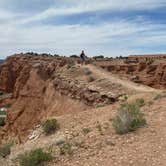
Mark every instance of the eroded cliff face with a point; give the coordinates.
(9, 71)
(27, 78)
(151, 74)
(41, 88)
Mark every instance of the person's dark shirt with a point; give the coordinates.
(82, 55)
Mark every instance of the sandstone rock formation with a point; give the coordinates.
(42, 86)
(149, 73)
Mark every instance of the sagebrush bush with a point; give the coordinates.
(86, 130)
(66, 149)
(5, 149)
(3, 113)
(140, 102)
(2, 121)
(128, 118)
(1, 93)
(87, 71)
(34, 158)
(50, 126)
(71, 64)
(99, 128)
(123, 98)
(91, 78)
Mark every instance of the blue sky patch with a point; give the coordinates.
(109, 27)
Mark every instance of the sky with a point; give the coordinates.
(100, 27)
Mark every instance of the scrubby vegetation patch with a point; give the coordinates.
(2, 121)
(34, 158)
(50, 126)
(5, 149)
(128, 118)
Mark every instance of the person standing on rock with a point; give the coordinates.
(83, 57)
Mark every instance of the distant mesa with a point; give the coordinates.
(151, 56)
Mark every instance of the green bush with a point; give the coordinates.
(91, 78)
(5, 149)
(128, 118)
(87, 71)
(1, 93)
(86, 130)
(34, 158)
(66, 149)
(3, 113)
(140, 102)
(2, 121)
(71, 64)
(7, 106)
(123, 98)
(50, 126)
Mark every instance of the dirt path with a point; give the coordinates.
(100, 73)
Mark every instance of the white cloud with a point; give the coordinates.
(115, 38)
(82, 6)
(6, 14)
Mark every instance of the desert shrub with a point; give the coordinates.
(140, 102)
(87, 71)
(50, 126)
(5, 149)
(150, 103)
(66, 149)
(34, 158)
(86, 130)
(2, 112)
(91, 79)
(71, 64)
(99, 128)
(1, 93)
(7, 106)
(128, 118)
(123, 98)
(99, 57)
(159, 96)
(74, 56)
(2, 121)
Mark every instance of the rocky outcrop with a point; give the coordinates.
(147, 73)
(90, 95)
